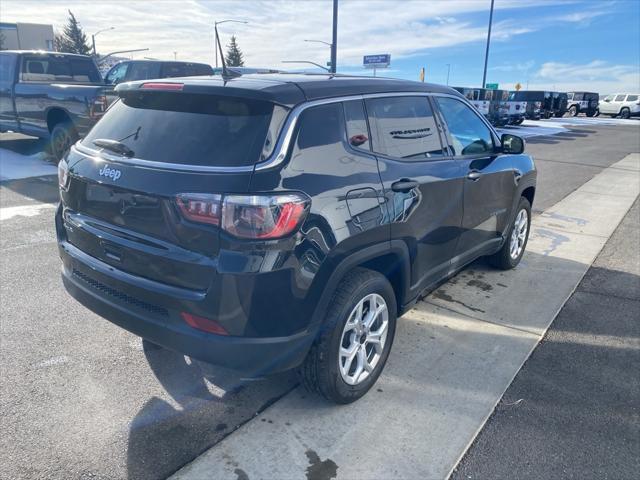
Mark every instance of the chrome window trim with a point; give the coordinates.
(282, 145)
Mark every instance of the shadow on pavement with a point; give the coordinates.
(165, 435)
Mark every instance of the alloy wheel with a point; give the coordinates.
(363, 339)
(519, 234)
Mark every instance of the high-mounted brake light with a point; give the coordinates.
(161, 86)
(247, 216)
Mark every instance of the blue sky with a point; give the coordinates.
(561, 44)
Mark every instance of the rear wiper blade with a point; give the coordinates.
(113, 146)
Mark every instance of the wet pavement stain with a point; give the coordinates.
(578, 221)
(241, 474)
(220, 427)
(484, 286)
(320, 470)
(556, 239)
(441, 295)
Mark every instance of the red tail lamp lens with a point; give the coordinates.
(204, 324)
(247, 216)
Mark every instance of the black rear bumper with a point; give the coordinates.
(252, 356)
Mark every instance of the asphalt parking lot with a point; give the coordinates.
(82, 398)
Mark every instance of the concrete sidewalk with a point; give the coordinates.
(454, 356)
(572, 411)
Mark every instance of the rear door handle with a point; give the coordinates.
(404, 185)
(474, 175)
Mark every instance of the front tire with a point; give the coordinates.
(625, 113)
(573, 111)
(355, 338)
(511, 253)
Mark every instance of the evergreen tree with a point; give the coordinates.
(73, 39)
(234, 55)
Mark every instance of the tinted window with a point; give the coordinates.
(143, 71)
(58, 68)
(356, 123)
(6, 68)
(404, 127)
(172, 69)
(117, 74)
(320, 126)
(470, 135)
(189, 129)
(632, 98)
(620, 98)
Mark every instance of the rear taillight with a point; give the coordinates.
(247, 216)
(63, 174)
(201, 208)
(98, 107)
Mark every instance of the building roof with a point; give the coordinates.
(291, 89)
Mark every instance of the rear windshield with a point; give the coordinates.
(191, 129)
(59, 68)
(171, 69)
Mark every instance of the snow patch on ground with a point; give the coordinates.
(15, 165)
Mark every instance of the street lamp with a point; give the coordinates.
(93, 38)
(322, 41)
(307, 61)
(216, 34)
(486, 53)
(448, 71)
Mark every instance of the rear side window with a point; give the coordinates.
(59, 68)
(404, 128)
(170, 70)
(469, 134)
(619, 98)
(190, 129)
(143, 71)
(320, 126)
(632, 98)
(356, 123)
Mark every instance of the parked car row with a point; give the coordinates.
(502, 107)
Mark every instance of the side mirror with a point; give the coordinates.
(512, 144)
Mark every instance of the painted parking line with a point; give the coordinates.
(7, 213)
(538, 128)
(454, 356)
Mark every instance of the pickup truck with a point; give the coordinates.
(57, 96)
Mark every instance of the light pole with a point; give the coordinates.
(448, 71)
(321, 41)
(307, 61)
(334, 40)
(486, 53)
(215, 41)
(93, 38)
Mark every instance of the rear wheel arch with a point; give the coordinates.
(391, 259)
(56, 116)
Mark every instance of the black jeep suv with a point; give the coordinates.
(268, 222)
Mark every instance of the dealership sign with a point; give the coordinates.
(376, 61)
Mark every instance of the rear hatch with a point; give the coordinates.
(154, 155)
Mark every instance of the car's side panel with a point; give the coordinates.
(346, 215)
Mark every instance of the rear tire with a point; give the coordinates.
(573, 111)
(625, 113)
(63, 136)
(324, 370)
(591, 114)
(511, 253)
